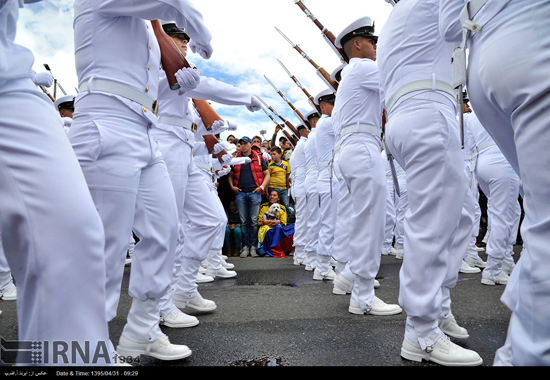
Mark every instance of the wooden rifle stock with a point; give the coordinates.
(173, 60)
(208, 116)
(171, 57)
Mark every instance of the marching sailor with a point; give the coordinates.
(422, 134)
(115, 112)
(298, 174)
(327, 186)
(56, 254)
(357, 117)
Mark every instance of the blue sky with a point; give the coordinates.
(245, 44)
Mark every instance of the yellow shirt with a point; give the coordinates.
(278, 173)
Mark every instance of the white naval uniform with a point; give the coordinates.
(111, 135)
(51, 233)
(312, 199)
(328, 190)
(469, 150)
(509, 93)
(193, 194)
(298, 172)
(400, 204)
(362, 170)
(6, 280)
(500, 184)
(422, 134)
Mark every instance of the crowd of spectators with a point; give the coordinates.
(248, 193)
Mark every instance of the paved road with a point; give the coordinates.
(274, 314)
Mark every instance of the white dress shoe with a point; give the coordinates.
(342, 285)
(160, 349)
(203, 278)
(501, 280)
(177, 319)
(227, 265)
(378, 307)
(475, 262)
(202, 270)
(10, 294)
(309, 268)
(330, 275)
(480, 249)
(376, 284)
(465, 268)
(443, 352)
(222, 272)
(451, 328)
(198, 303)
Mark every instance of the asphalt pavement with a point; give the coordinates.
(273, 314)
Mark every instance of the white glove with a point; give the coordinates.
(205, 51)
(226, 159)
(218, 127)
(222, 172)
(230, 148)
(43, 79)
(232, 126)
(218, 148)
(188, 79)
(254, 105)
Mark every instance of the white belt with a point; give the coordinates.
(480, 149)
(417, 85)
(184, 123)
(359, 128)
(311, 168)
(120, 89)
(324, 164)
(204, 166)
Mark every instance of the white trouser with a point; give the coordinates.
(327, 216)
(509, 93)
(401, 207)
(194, 203)
(340, 244)
(301, 223)
(215, 252)
(313, 219)
(439, 220)
(6, 281)
(51, 232)
(362, 169)
(131, 188)
(471, 251)
(390, 217)
(500, 184)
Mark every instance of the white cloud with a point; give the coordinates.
(245, 44)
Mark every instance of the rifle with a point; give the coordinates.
(173, 60)
(290, 139)
(296, 111)
(327, 34)
(288, 123)
(47, 93)
(322, 73)
(310, 98)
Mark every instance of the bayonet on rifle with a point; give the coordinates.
(327, 34)
(296, 111)
(322, 73)
(299, 84)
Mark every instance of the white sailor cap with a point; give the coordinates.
(363, 26)
(60, 102)
(311, 114)
(335, 75)
(325, 96)
(171, 28)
